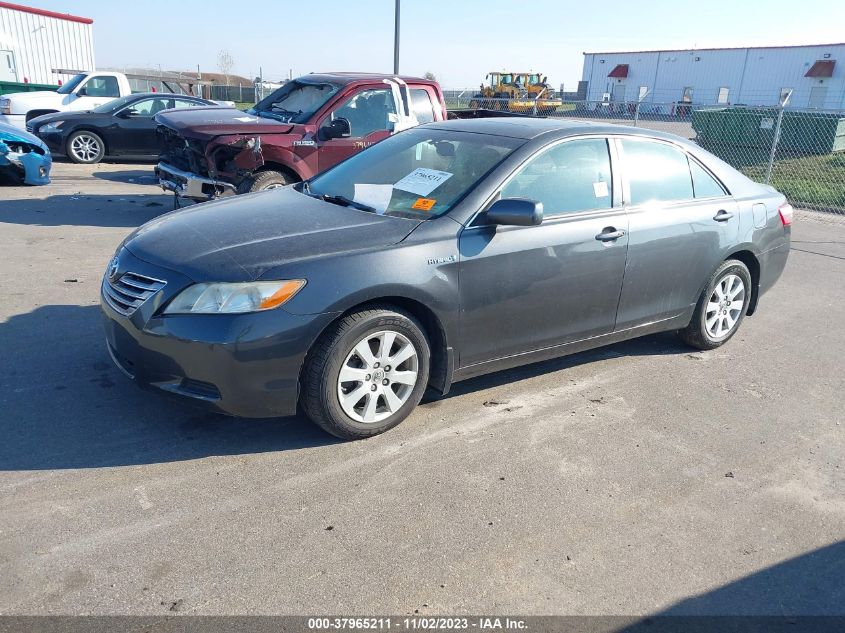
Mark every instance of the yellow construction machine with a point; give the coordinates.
(527, 93)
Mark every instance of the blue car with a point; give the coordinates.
(24, 158)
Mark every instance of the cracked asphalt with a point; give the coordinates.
(642, 478)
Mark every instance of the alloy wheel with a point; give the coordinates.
(86, 148)
(378, 376)
(724, 306)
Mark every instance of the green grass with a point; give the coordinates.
(810, 181)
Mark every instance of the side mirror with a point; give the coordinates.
(516, 212)
(81, 92)
(127, 113)
(339, 128)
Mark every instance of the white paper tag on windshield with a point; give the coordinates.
(600, 189)
(422, 181)
(375, 196)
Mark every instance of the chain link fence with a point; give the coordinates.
(799, 152)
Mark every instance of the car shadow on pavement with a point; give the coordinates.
(132, 176)
(652, 345)
(118, 210)
(773, 599)
(64, 405)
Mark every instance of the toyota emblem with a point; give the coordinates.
(112, 271)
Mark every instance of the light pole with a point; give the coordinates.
(396, 41)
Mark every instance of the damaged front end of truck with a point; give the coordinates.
(24, 158)
(206, 157)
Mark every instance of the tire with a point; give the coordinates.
(710, 328)
(85, 147)
(337, 349)
(263, 180)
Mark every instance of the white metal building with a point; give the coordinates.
(35, 42)
(750, 76)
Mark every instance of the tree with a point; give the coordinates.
(430, 76)
(225, 63)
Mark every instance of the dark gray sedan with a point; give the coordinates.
(444, 252)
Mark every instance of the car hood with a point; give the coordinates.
(9, 133)
(37, 95)
(59, 116)
(243, 237)
(206, 123)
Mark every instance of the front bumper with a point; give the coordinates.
(18, 120)
(30, 167)
(245, 365)
(188, 185)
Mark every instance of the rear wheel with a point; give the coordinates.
(264, 180)
(85, 147)
(367, 373)
(721, 307)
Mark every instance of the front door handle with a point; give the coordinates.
(723, 216)
(609, 234)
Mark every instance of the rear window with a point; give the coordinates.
(704, 184)
(421, 105)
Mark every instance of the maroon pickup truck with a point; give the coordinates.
(303, 128)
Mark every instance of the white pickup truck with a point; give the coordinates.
(84, 91)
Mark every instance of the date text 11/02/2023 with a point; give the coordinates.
(417, 623)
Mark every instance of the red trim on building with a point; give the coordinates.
(49, 14)
(620, 72)
(723, 48)
(822, 68)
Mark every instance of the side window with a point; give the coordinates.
(421, 105)
(703, 183)
(150, 107)
(102, 87)
(367, 111)
(185, 103)
(571, 176)
(143, 108)
(656, 171)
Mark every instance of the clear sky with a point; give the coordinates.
(458, 40)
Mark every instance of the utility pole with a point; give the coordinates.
(396, 41)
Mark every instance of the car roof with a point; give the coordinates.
(528, 127)
(351, 77)
(164, 95)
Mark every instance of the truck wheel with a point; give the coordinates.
(263, 180)
(366, 373)
(85, 147)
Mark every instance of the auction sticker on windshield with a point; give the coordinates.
(422, 181)
(424, 204)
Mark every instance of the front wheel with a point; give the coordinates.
(367, 373)
(721, 307)
(85, 147)
(264, 180)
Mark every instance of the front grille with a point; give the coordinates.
(128, 293)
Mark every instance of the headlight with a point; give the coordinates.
(233, 298)
(52, 126)
(5, 106)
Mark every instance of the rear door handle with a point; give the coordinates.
(723, 216)
(609, 234)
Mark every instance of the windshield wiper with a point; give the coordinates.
(346, 202)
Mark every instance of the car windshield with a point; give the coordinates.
(111, 106)
(69, 87)
(295, 102)
(421, 173)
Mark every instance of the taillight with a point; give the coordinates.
(786, 212)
